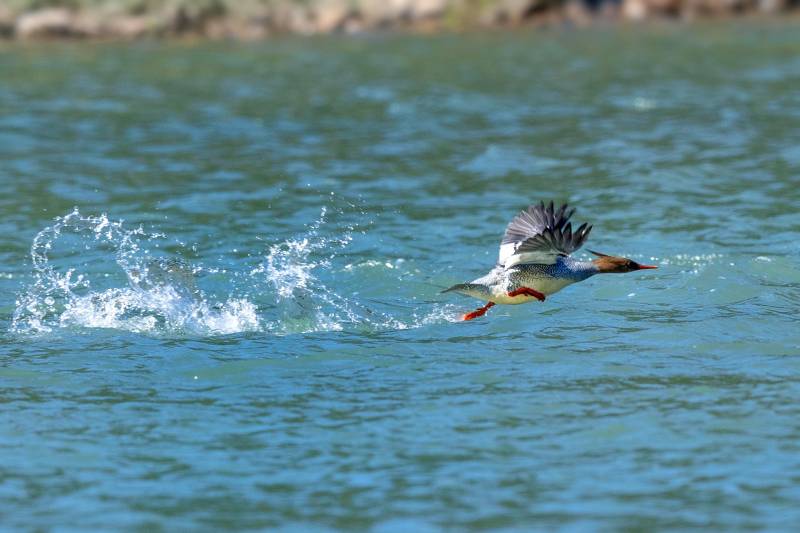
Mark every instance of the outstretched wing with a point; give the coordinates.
(539, 235)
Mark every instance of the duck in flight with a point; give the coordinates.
(535, 260)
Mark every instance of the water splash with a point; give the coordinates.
(289, 290)
(155, 294)
(304, 301)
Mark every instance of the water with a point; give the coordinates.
(220, 268)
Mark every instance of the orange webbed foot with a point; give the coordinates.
(527, 291)
(478, 312)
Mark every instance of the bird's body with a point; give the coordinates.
(534, 260)
(546, 279)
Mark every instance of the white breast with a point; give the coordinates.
(546, 286)
(550, 286)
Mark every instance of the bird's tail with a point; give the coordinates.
(454, 288)
(468, 289)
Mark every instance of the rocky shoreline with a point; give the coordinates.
(256, 19)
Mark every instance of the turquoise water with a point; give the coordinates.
(220, 268)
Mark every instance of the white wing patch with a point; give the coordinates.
(508, 256)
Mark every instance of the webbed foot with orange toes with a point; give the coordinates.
(478, 312)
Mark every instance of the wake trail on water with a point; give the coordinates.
(94, 272)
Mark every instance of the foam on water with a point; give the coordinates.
(103, 275)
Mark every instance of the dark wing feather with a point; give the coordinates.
(540, 234)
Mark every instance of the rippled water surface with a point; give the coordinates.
(220, 268)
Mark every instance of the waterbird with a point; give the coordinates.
(535, 260)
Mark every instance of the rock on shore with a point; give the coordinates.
(253, 19)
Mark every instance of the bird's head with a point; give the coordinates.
(609, 264)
